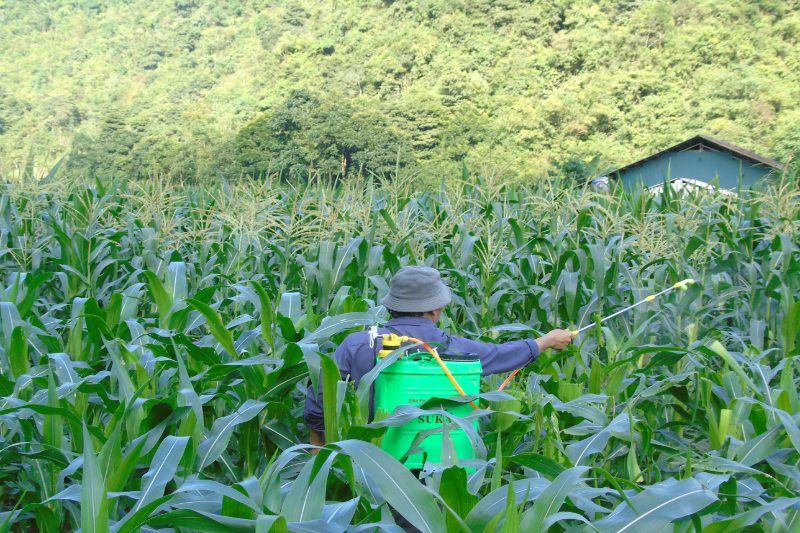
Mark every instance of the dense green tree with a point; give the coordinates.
(11, 110)
(109, 153)
(308, 134)
(123, 148)
(577, 172)
(524, 85)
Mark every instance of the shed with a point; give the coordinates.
(700, 158)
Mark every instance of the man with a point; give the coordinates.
(415, 301)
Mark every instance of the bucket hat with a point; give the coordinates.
(416, 289)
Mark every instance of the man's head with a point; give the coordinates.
(417, 291)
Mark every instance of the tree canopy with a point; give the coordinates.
(200, 87)
(305, 133)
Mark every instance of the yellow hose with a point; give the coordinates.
(511, 376)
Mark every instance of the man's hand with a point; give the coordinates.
(557, 339)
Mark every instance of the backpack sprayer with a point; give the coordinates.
(417, 377)
(414, 379)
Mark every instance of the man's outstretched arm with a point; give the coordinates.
(508, 356)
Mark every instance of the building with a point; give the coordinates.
(698, 160)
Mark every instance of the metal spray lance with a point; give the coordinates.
(682, 285)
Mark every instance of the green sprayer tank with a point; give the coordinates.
(412, 380)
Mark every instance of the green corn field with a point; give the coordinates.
(157, 338)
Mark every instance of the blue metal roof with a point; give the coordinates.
(714, 144)
(699, 158)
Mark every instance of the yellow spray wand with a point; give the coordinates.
(683, 285)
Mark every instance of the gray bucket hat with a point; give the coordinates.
(416, 289)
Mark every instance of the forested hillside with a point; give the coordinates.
(191, 87)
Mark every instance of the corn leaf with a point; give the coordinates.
(491, 505)
(551, 499)
(656, 505)
(222, 430)
(162, 470)
(306, 498)
(94, 504)
(216, 326)
(403, 492)
(18, 353)
(330, 379)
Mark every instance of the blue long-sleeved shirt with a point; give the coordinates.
(355, 357)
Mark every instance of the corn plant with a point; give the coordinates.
(156, 340)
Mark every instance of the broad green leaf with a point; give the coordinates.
(454, 491)
(271, 524)
(18, 353)
(94, 505)
(579, 452)
(118, 477)
(551, 499)
(9, 321)
(66, 412)
(290, 306)
(216, 326)
(266, 313)
(720, 350)
(330, 378)
(491, 505)
(160, 297)
(791, 424)
(176, 286)
(759, 448)
(658, 504)
(403, 492)
(217, 439)
(537, 462)
(790, 328)
(113, 311)
(47, 520)
(135, 520)
(130, 302)
(332, 325)
(306, 498)
(111, 455)
(53, 424)
(339, 515)
(497, 468)
(162, 470)
(747, 518)
(203, 486)
(270, 481)
(202, 522)
(511, 519)
(32, 284)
